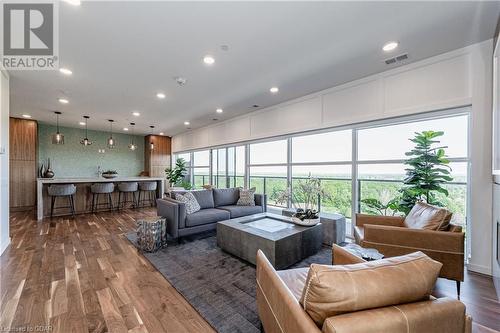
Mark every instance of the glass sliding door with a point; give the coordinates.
(201, 168)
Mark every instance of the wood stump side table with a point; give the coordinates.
(151, 233)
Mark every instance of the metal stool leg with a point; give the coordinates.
(53, 201)
(72, 200)
(119, 200)
(93, 200)
(110, 201)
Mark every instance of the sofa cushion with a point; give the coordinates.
(247, 197)
(295, 280)
(425, 216)
(206, 216)
(226, 196)
(239, 211)
(333, 290)
(205, 198)
(190, 201)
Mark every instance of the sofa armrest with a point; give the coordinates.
(443, 315)
(172, 211)
(261, 200)
(279, 310)
(395, 221)
(341, 256)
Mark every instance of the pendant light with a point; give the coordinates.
(132, 145)
(86, 141)
(57, 138)
(151, 144)
(111, 141)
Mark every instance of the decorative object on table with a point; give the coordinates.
(110, 174)
(151, 233)
(85, 141)
(111, 142)
(132, 145)
(306, 200)
(57, 138)
(364, 253)
(48, 172)
(41, 171)
(333, 226)
(247, 197)
(176, 175)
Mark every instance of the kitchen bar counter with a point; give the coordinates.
(83, 196)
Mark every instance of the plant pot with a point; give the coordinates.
(305, 222)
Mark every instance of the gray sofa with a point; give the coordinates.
(216, 205)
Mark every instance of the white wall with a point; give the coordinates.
(458, 78)
(4, 161)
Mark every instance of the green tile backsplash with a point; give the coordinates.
(75, 160)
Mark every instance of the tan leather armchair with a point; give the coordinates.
(279, 292)
(391, 236)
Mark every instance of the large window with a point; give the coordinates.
(381, 155)
(268, 169)
(353, 164)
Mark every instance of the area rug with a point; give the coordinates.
(219, 286)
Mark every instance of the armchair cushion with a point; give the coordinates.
(425, 216)
(295, 280)
(333, 290)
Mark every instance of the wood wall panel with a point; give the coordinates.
(158, 159)
(23, 139)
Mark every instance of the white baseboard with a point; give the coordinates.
(4, 245)
(479, 269)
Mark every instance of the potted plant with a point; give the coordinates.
(176, 175)
(110, 174)
(305, 199)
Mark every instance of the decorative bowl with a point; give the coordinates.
(305, 222)
(109, 175)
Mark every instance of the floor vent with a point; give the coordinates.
(398, 58)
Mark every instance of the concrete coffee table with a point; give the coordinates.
(283, 242)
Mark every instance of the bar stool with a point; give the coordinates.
(127, 189)
(101, 188)
(63, 190)
(149, 189)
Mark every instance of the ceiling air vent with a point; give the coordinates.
(398, 58)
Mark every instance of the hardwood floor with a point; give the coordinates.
(82, 275)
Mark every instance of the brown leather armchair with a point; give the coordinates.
(279, 293)
(391, 236)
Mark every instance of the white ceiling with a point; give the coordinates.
(122, 53)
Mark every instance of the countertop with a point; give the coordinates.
(96, 180)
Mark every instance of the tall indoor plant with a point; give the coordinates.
(176, 175)
(428, 170)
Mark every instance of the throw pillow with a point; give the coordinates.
(425, 216)
(247, 197)
(192, 206)
(334, 290)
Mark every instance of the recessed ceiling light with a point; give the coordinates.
(125, 129)
(389, 46)
(187, 123)
(274, 90)
(219, 110)
(161, 133)
(65, 71)
(81, 123)
(63, 100)
(160, 95)
(74, 2)
(136, 114)
(26, 116)
(209, 60)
